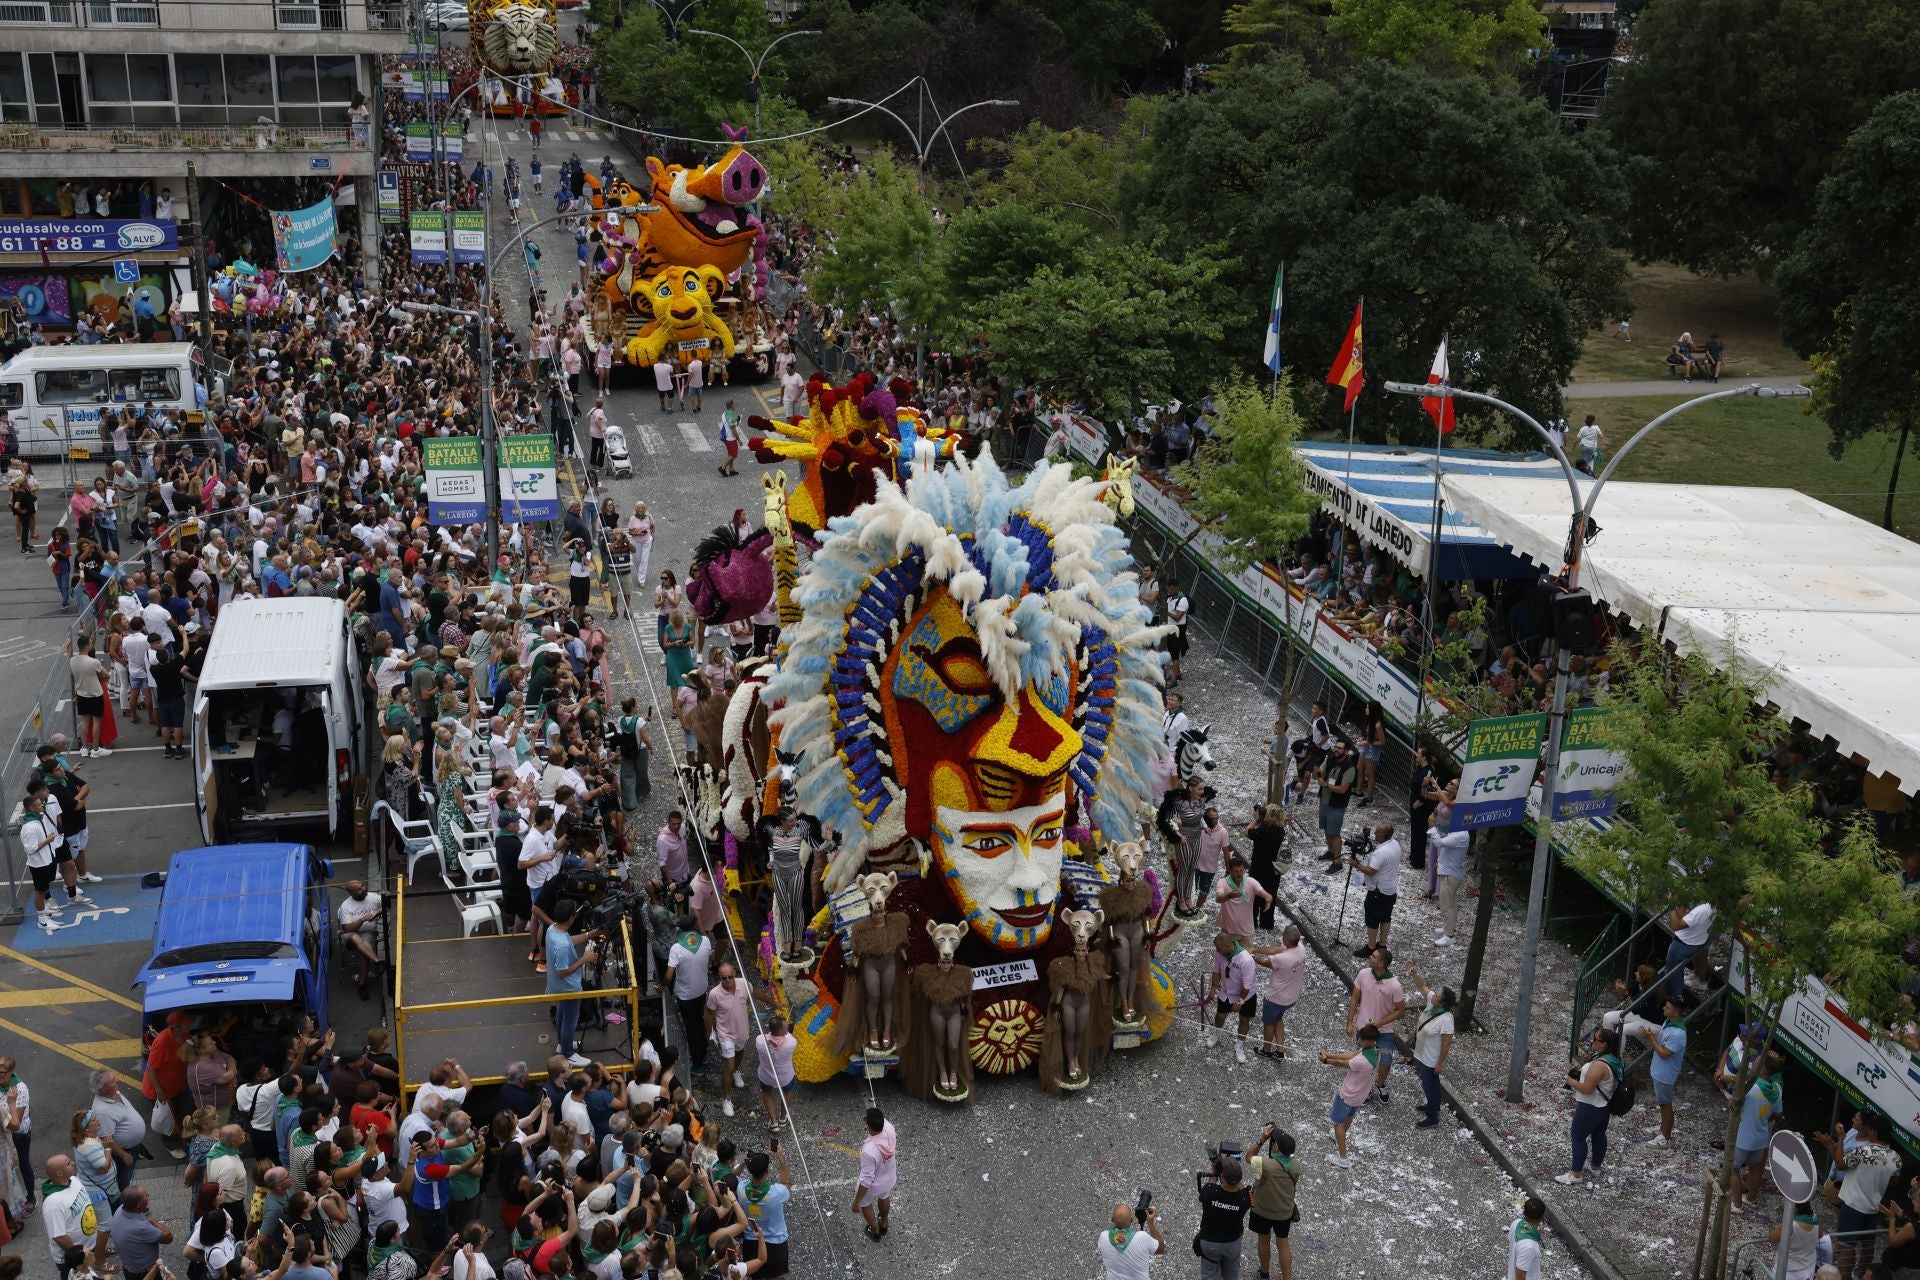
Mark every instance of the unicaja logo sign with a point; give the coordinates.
(142, 235)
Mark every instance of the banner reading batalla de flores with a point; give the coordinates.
(1498, 771)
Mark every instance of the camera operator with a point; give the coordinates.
(1224, 1202)
(1125, 1250)
(1276, 1178)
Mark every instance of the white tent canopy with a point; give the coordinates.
(1825, 602)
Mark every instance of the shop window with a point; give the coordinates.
(296, 78)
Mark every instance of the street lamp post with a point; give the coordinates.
(920, 147)
(482, 321)
(753, 62)
(1583, 510)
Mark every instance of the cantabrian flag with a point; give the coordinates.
(1271, 356)
(1349, 369)
(1439, 408)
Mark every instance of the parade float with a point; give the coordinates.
(964, 711)
(686, 223)
(517, 42)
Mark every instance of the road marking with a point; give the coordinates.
(767, 402)
(46, 995)
(649, 437)
(574, 136)
(591, 133)
(62, 974)
(92, 1064)
(695, 438)
(117, 1047)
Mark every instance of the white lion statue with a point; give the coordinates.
(518, 39)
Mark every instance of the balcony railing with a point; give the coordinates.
(209, 15)
(216, 137)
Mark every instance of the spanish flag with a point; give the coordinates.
(1349, 370)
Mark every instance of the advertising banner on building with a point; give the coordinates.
(456, 480)
(470, 236)
(1497, 772)
(88, 235)
(1589, 769)
(529, 489)
(304, 238)
(44, 299)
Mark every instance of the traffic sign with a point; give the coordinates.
(1791, 1165)
(126, 271)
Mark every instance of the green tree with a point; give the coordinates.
(1255, 28)
(1849, 300)
(1702, 821)
(1249, 489)
(1116, 328)
(698, 82)
(1452, 204)
(1441, 35)
(990, 249)
(1732, 112)
(885, 245)
(1076, 175)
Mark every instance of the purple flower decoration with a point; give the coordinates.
(732, 847)
(1153, 878)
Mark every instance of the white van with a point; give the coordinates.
(276, 719)
(47, 391)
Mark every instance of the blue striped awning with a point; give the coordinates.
(1385, 493)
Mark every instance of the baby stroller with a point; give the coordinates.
(618, 459)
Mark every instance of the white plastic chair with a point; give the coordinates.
(416, 837)
(478, 910)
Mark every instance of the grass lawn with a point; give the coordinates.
(1669, 300)
(1772, 443)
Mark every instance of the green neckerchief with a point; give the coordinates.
(301, 1138)
(219, 1149)
(48, 1187)
(690, 940)
(379, 1253)
(286, 1104)
(757, 1191)
(1371, 1055)
(1524, 1230)
(592, 1254)
(1433, 1013)
(1239, 886)
(1382, 977)
(1121, 1237)
(1769, 1089)
(1675, 1022)
(1811, 1219)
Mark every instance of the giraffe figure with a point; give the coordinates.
(786, 560)
(1117, 484)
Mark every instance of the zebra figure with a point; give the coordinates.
(1183, 812)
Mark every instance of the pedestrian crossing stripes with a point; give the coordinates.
(696, 440)
(648, 437)
(574, 135)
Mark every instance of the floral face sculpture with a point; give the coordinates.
(972, 662)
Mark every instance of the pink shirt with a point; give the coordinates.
(1287, 974)
(731, 1016)
(879, 1167)
(1213, 843)
(1236, 905)
(1237, 979)
(1358, 1082)
(705, 903)
(1377, 999)
(672, 850)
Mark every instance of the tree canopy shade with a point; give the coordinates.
(1249, 486)
(1453, 205)
(1850, 290)
(1115, 328)
(1731, 112)
(1489, 36)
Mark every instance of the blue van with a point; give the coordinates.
(244, 930)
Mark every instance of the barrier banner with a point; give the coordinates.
(1497, 772)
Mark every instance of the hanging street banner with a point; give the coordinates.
(1497, 772)
(427, 233)
(304, 238)
(528, 479)
(419, 142)
(1589, 769)
(453, 143)
(389, 182)
(470, 236)
(456, 480)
